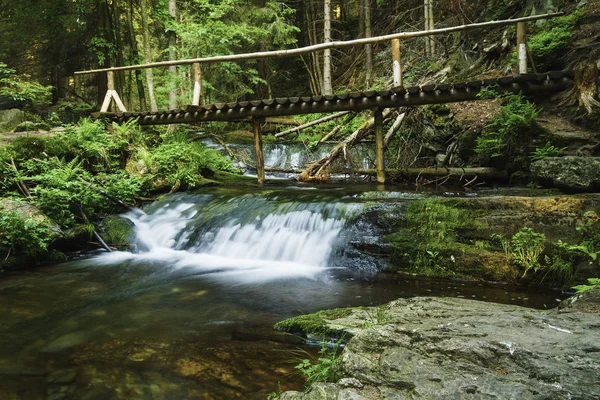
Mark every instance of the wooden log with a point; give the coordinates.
(338, 128)
(258, 146)
(481, 172)
(430, 172)
(394, 128)
(313, 123)
(379, 146)
(318, 170)
(323, 46)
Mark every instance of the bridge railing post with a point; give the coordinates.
(380, 145)
(111, 94)
(197, 73)
(396, 66)
(522, 46)
(258, 146)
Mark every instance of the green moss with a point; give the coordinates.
(313, 324)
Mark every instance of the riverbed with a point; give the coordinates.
(184, 313)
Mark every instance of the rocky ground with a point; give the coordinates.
(448, 348)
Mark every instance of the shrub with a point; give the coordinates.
(552, 38)
(509, 133)
(23, 235)
(20, 88)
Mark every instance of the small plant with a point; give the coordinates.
(592, 283)
(325, 368)
(377, 317)
(547, 150)
(526, 249)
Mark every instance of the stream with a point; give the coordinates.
(181, 315)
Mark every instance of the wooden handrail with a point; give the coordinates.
(323, 46)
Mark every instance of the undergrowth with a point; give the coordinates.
(63, 176)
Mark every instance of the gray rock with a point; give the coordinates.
(350, 394)
(10, 119)
(578, 173)
(322, 391)
(350, 383)
(446, 348)
(291, 395)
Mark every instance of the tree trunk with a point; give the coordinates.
(173, 56)
(148, 54)
(327, 87)
(368, 47)
(135, 55)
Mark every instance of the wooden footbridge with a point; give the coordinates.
(398, 96)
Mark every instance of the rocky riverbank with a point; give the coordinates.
(449, 348)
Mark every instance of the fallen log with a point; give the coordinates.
(429, 172)
(319, 170)
(338, 128)
(312, 123)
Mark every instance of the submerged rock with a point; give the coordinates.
(447, 348)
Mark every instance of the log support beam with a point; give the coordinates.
(380, 146)
(111, 94)
(258, 146)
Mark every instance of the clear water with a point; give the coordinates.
(183, 314)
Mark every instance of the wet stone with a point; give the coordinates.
(62, 376)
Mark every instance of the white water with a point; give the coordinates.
(287, 241)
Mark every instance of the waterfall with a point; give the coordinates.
(249, 237)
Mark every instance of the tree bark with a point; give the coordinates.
(368, 47)
(327, 86)
(173, 56)
(135, 55)
(148, 54)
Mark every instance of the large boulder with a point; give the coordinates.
(570, 172)
(450, 348)
(10, 119)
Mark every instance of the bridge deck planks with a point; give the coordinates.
(355, 101)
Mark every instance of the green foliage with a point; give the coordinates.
(325, 367)
(547, 150)
(208, 28)
(592, 284)
(432, 237)
(183, 163)
(552, 39)
(510, 131)
(489, 93)
(526, 249)
(21, 88)
(23, 235)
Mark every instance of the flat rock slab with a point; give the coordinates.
(448, 348)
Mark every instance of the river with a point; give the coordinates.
(181, 314)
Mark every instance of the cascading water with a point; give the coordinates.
(245, 238)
